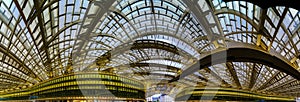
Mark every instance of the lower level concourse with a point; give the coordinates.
(149, 51)
(108, 87)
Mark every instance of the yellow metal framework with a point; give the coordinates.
(154, 41)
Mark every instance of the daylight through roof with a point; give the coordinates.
(133, 49)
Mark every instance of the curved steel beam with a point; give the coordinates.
(189, 43)
(233, 73)
(152, 65)
(43, 32)
(217, 77)
(256, 70)
(149, 74)
(274, 79)
(56, 43)
(155, 56)
(118, 12)
(167, 34)
(27, 70)
(286, 84)
(43, 7)
(205, 17)
(159, 45)
(181, 19)
(230, 11)
(142, 44)
(256, 26)
(239, 32)
(13, 56)
(89, 22)
(241, 52)
(12, 77)
(53, 37)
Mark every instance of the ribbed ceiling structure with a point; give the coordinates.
(168, 44)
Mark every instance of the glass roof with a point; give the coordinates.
(150, 40)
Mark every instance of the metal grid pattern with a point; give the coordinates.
(42, 39)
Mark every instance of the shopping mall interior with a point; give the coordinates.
(149, 50)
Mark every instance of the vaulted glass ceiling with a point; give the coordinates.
(150, 40)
